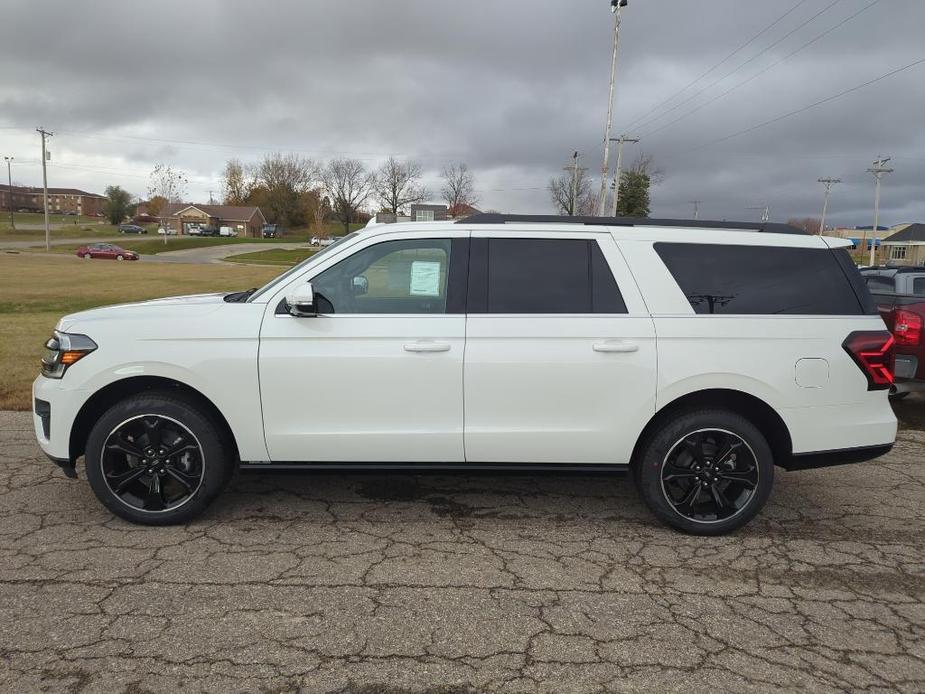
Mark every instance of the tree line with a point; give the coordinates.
(294, 191)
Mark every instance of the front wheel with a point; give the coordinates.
(157, 459)
(707, 472)
(119, 257)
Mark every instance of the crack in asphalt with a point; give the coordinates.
(457, 584)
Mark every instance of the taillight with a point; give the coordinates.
(873, 352)
(908, 328)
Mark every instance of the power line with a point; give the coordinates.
(716, 65)
(741, 65)
(810, 106)
(761, 72)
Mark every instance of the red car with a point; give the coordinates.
(109, 251)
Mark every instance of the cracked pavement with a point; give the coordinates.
(399, 584)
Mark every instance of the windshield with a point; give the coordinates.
(293, 270)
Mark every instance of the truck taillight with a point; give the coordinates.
(873, 352)
(908, 328)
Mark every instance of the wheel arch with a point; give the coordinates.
(109, 395)
(756, 410)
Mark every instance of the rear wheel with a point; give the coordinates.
(708, 472)
(157, 459)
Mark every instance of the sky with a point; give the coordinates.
(510, 87)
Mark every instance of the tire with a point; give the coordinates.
(119, 257)
(899, 396)
(86, 256)
(187, 481)
(676, 477)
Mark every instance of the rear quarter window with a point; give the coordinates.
(766, 280)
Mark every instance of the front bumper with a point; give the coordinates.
(54, 409)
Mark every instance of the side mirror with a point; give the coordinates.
(301, 302)
(360, 285)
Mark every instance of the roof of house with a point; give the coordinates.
(33, 190)
(232, 213)
(913, 232)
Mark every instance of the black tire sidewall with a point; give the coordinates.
(648, 471)
(218, 458)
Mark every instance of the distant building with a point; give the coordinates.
(906, 246)
(247, 221)
(462, 210)
(428, 213)
(60, 200)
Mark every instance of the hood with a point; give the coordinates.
(191, 305)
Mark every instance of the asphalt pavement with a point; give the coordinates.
(402, 584)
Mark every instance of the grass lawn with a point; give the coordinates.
(35, 291)
(146, 245)
(275, 256)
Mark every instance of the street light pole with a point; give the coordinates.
(828, 183)
(615, 7)
(878, 169)
(45, 134)
(9, 178)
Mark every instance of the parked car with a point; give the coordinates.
(900, 297)
(227, 231)
(167, 231)
(696, 358)
(132, 229)
(108, 251)
(317, 241)
(271, 231)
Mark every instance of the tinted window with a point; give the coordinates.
(392, 277)
(918, 286)
(549, 276)
(880, 284)
(761, 280)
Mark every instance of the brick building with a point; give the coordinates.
(247, 221)
(60, 200)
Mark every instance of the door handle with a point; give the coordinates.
(427, 347)
(615, 346)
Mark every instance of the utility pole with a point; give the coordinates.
(878, 169)
(9, 178)
(828, 183)
(615, 7)
(573, 197)
(696, 204)
(45, 134)
(210, 198)
(765, 212)
(616, 174)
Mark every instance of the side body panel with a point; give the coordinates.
(542, 388)
(796, 364)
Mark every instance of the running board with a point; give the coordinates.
(555, 468)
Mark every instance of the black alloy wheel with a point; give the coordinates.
(152, 463)
(709, 475)
(705, 471)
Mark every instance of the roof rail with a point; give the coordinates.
(498, 218)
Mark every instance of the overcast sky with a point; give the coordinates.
(512, 88)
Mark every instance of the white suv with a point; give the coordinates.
(695, 355)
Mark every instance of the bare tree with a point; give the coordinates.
(397, 184)
(810, 225)
(237, 183)
(458, 186)
(348, 185)
(570, 199)
(167, 182)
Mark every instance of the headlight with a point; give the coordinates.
(62, 350)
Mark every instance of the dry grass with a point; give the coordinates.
(35, 291)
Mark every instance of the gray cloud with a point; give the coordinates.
(510, 87)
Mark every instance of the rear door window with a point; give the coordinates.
(731, 279)
(525, 275)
